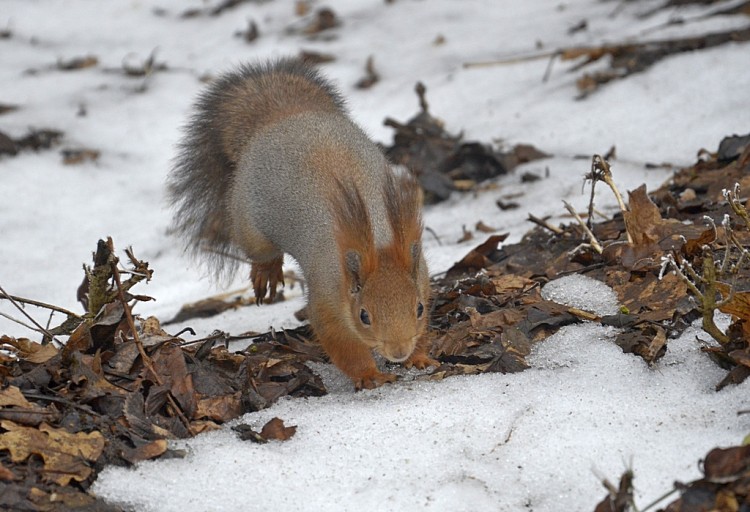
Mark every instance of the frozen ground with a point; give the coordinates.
(536, 440)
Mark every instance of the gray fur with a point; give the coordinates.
(203, 171)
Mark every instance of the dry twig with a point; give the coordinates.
(593, 242)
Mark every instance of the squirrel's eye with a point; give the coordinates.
(420, 310)
(364, 316)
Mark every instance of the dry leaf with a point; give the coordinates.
(219, 408)
(147, 451)
(6, 474)
(275, 430)
(12, 397)
(30, 351)
(739, 303)
(643, 218)
(484, 228)
(66, 456)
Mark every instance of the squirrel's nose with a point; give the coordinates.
(397, 354)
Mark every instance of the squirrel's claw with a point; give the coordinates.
(374, 380)
(420, 361)
(266, 277)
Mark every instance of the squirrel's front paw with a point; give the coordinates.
(420, 361)
(374, 380)
(265, 277)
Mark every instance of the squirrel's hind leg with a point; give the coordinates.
(265, 260)
(266, 276)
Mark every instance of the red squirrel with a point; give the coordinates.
(271, 163)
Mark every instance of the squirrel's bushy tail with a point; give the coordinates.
(224, 118)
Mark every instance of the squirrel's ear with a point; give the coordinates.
(353, 264)
(416, 252)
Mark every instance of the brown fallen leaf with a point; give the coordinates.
(30, 351)
(206, 308)
(147, 451)
(77, 63)
(15, 407)
(219, 408)
(648, 341)
(619, 499)
(12, 397)
(477, 258)
(629, 58)
(66, 456)
(371, 76)
(79, 155)
(466, 236)
(275, 430)
(315, 58)
(726, 464)
(169, 363)
(643, 220)
(484, 228)
(6, 474)
(694, 246)
(738, 304)
(324, 19)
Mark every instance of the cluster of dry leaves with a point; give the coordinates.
(670, 262)
(444, 162)
(628, 58)
(122, 386)
(725, 486)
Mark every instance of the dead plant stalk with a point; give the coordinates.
(144, 356)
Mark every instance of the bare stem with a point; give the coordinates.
(592, 239)
(546, 225)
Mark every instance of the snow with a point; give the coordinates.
(537, 440)
(582, 292)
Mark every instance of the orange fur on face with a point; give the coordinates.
(387, 284)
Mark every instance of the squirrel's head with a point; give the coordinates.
(387, 288)
(388, 304)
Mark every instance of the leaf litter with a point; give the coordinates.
(628, 58)
(122, 387)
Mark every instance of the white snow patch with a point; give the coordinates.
(582, 292)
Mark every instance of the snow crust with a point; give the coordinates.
(582, 292)
(538, 440)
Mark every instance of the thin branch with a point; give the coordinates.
(546, 225)
(592, 238)
(512, 60)
(16, 320)
(17, 305)
(39, 304)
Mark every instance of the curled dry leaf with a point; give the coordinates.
(66, 456)
(274, 429)
(15, 407)
(478, 258)
(30, 351)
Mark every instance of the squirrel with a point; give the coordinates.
(271, 163)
